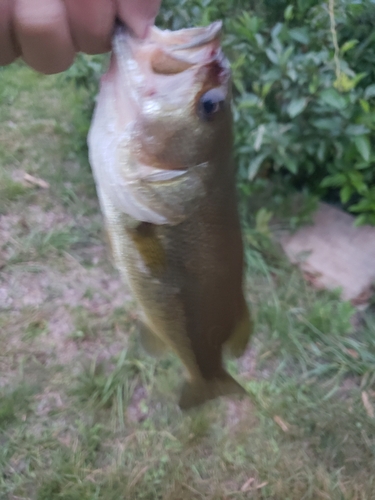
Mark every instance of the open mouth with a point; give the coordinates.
(187, 39)
(172, 52)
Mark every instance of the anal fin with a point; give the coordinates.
(151, 343)
(237, 342)
(195, 393)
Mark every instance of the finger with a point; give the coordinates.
(8, 49)
(91, 24)
(42, 30)
(139, 15)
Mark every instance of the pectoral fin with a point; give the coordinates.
(195, 393)
(149, 246)
(172, 194)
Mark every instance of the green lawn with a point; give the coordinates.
(86, 415)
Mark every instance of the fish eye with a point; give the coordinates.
(210, 103)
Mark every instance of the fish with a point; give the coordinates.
(160, 148)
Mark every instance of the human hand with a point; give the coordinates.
(48, 33)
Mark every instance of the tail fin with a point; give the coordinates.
(199, 391)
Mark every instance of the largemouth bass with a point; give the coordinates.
(160, 148)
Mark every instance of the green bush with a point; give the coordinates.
(303, 110)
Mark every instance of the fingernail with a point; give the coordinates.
(141, 27)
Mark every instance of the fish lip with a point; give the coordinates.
(199, 36)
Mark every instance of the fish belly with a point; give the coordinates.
(187, 280)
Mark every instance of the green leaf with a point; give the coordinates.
(262, 220)
(255, 164)
(239, 85)
(345, 83)
(364, 205)
(331, 124)
(300, 35)
(333, 98)
(260, 40)
(291, 164)
(259, 137)
(354, 129)
(348, 45)
(362, 165)
(346, 193)
(296, 106)
(363, 146)
(248, 101)
(365, 105)
(276, 30)
(265, 89)
(360, 220)
(370, 91)
(356, 179)
(272, 56)
(335, 180)
(288, 13)
(286, 55)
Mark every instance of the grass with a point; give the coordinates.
(85, 414)
(10, 190)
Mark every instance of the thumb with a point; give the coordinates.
(138, 15)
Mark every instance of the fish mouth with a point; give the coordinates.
(189, 38)
(166, 52)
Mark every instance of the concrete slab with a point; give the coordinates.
(333, 253)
